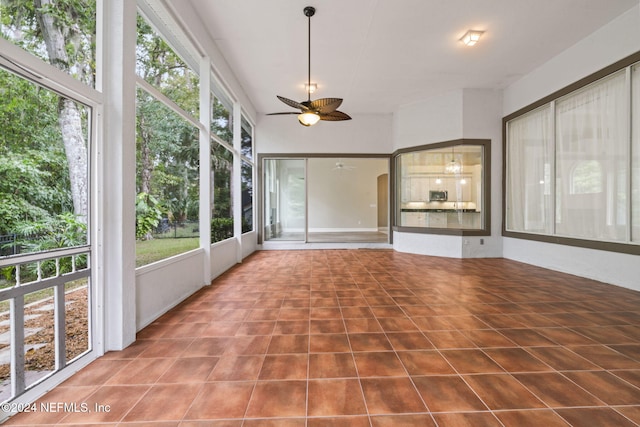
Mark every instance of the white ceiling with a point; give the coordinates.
(380, 54)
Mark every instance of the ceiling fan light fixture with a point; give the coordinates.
(308, 118)
(471, 37)
(319, 109)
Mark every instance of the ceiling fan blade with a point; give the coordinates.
(325, 105)
(293, 104)
(335, 116)
(281, 114)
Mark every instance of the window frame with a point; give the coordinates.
(627, 247)
(396, 201)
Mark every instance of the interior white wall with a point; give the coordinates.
(613, 42)
(162, 285)
(466, 113)
(344, 199)
(481, 119)
(433, 120)
(617, 40)
(365, 133)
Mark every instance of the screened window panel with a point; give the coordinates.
(74, 25)
(591, 161)
(529, 166)
(246, 139)
(635, 150)
(160, 66)
(222, 120)
(167, 181)
(247, 197)
(222, 195)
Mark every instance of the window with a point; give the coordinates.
(167, 212)
(528, 183)
(222, 120)
(246, 139)
(246, 150)
(163, 69)
(592, 184)
(44, 198)
(45, 274)
(247, 197)
(222, 210)
(441, 188)
(635, 154)
(71, 23)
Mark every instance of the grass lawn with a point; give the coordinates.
(149, 251)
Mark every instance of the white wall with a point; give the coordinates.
(467, 113)
(617, 40)
(344, 199)
(613, 42)
(368, 133)
(162, 285)
(433, 120)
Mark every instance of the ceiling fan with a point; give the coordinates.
(340, 165)
(320, 109)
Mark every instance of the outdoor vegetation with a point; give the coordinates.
(46, 142)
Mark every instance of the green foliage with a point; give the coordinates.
(148, 215)
(60, 231)
(221, 229)
(55, 232)
(76, 19)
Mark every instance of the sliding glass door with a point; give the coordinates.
(284, 199)
(326, 199)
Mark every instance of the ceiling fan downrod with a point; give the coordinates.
(309, 11)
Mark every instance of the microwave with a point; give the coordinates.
(438, 196)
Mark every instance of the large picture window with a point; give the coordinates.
(45, 222)
(167, 142)
(40, 29)
(442, 188)
(569, 175)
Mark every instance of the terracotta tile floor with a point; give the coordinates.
(374, 338)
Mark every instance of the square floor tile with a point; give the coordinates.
(448, 394)
(502, 391)
(332, 365)
(391, 396)
(235, 367)
(416, 420)
(556, 390)
(470, 361)
(164, 402)
(278, 399)
(220, 400)
(330, 397)
(379, 364)
(284, 367)
(425, 362)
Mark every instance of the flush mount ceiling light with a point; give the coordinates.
(471, 37)
(320, 109)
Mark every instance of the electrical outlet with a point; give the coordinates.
(482, 241)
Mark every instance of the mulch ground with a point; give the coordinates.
(40, 316)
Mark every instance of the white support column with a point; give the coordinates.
(237, 178)
(117, 176)
(205, 166)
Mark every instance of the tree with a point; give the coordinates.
(167, 145)
(66, 28)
